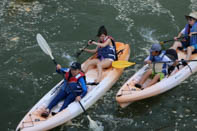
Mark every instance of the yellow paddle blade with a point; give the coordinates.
(122, 64)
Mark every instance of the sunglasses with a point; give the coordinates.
(190, 19)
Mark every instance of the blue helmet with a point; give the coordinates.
(75, 65)
(155, 47)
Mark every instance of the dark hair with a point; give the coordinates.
(101, 30)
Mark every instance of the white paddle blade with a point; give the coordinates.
(44, 46)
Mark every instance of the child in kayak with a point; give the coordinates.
(74, 87)
(157, 55)
(190, 40)
(106, 52)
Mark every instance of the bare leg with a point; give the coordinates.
(103, 64)
(154, 80)
(190, 49)
(176, 45)
(145, 77)
(91, 62)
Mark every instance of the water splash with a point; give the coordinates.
(68, 57)
(95, 126)
(148, 35)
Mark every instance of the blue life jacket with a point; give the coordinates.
(157, 58)
(107, 51)
(193, 39)
(170, 53)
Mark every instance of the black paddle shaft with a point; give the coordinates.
(162, 42)
(54, 61)
(173, 39)
(79, 53)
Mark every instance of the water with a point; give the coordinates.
(95, 126)
(27, 73)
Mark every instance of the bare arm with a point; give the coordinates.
(180, 34)
(108, 42)
(192, 33)
(91, 51)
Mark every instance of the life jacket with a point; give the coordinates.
(72, 81)
(107, 51)
(193, 39)
(171, 54)
(157, 58)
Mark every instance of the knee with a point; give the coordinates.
(149, 71)
(99, 65)
(189, 49)
(88, 63)
(157, 77)
(176, 44)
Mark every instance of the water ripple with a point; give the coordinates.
(193, 5)
(138, 7)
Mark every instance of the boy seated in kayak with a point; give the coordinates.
(190, 36)
(74, 87)
(157, 55)
(106, 52)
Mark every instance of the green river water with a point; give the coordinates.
(26, 73)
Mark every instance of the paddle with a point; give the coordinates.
(47, 50)
(162, 42)
(79, 53)
(45, 47)
(123, 64)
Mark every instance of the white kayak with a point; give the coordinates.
(128, 93)
(34, 122)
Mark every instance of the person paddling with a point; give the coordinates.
(106, 52)
(158, 55)
(74, 87)
(190, 40)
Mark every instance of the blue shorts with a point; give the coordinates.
(100, 57)
(185, 45)
(195, 46)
